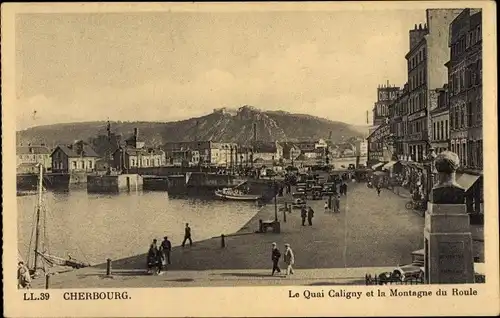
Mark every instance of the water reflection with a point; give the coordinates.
(93, 227)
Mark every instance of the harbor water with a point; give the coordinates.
(94, 227)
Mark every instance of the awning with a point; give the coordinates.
(377, 165)
(389, 164)
(467, 180)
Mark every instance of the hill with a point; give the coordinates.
(222, 125)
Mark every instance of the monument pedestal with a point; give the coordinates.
(448, 245)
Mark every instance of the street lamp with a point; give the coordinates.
(430, 170)
(275, 192)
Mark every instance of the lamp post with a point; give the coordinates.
(429, 167)
(275, 193)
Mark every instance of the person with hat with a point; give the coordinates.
(23, 276)
(289, 259)
(275, 256)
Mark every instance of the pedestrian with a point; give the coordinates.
(378, 189)
(165, 249)
(289, 259)
(310, 215)
(275, 257)
(187, 235)
(23, 276)
(303, 215)
(345, 189)
(337, 203)
(152, 259)
(326, 206)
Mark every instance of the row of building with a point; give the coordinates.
(440, 106)
(110, 152)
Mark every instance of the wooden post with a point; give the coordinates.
(108, 267)
(222, 241)
(47, 281)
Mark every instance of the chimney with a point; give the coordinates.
(415, 27)
(420, 26)
(136, 133)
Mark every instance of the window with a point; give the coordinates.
(83, 164)
(434, 131)
(132, 162)
(464, 154)
(462, 117)
(74, 164)
(442, 130)
(90, 164)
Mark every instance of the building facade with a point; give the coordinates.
(440, 136)
(379, 145)
(77, 157)
(465, 99)
(385, 95)
(134, 155)
(398, 120)
(28, 158)
(426, 72)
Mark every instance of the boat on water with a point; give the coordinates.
(236, 194)
(43, 261)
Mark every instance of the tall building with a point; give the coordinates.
(385, 95)
(426, 72)
(465, 98)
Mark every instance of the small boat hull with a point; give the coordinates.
(237, 197)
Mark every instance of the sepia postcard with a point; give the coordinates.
(250, 159)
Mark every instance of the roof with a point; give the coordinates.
(144, 151)
(71, 151)
(37, 150)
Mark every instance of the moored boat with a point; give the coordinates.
(234, 194)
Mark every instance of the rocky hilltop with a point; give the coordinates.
(229, 125)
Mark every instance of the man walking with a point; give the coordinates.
(310, 215)
(345, 189)
(303, 215)
(187, 235)
(289, 259)
(275, 257)
(337, 203)
(378, 189)
(165, 249)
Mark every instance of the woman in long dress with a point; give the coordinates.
(289, 259)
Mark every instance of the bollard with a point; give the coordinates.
(222, 241)
(108, 267)
(47, 281)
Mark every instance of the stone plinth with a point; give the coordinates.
(448, 245)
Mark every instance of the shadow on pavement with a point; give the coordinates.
(357, 282)
(245, 275)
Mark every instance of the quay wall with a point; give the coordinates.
(114, 183)
(29, 181)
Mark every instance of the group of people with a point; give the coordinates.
(306, 213)
(159, 256)
(288, 258)
(335, 201)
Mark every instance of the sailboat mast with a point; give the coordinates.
(38, 208)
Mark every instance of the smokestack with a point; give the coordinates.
(367, 118)
(330, 135)
(136, 133)
(254, 131)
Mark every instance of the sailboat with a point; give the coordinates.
(42, 257)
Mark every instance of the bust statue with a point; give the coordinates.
(447, 191)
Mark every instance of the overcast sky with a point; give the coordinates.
(171, 66)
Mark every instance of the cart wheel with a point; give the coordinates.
(409, 205)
